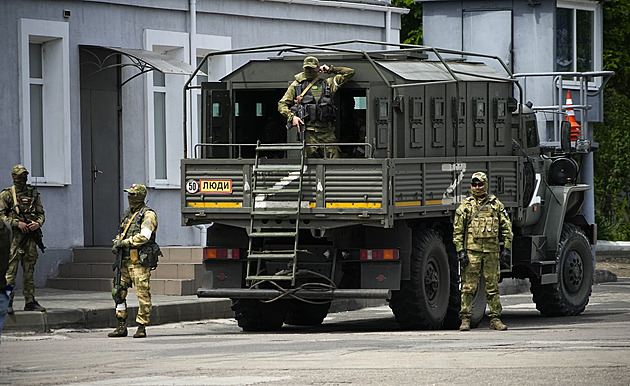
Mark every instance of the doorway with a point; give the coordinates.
(100, 144)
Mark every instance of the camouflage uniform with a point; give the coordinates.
(316, 131)
(141, 231)
(480, 221)
(5, 253)
(23, 251)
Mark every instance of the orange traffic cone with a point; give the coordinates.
(575, 131)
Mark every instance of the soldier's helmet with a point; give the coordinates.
(311, 62)
(479, 176)
(137, 189)
(18, 169)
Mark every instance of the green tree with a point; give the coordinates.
(411, 32)
(612, 161)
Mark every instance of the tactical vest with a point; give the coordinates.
(148, 253)
(25, 201)
(322, 110)
(484, 220)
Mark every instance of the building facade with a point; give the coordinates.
(85, 110)
(539, 41)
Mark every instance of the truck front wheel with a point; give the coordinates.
(422, 301)
(574, 266)
(254, 315)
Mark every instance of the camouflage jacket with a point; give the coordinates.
(146, 220)
(341, 76)
(28, 201)
(479, 225)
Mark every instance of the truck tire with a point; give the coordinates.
(455, 301)
(574, 266)
(422, 301)
(306, 314)
(254, 315)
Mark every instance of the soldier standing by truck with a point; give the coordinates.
(480, 222)
(309, 102)
(21, 207)
(136, 240)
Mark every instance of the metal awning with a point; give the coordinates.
(146, 61)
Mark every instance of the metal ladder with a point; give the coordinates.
(285, 174)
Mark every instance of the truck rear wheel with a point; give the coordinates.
(254, 315)
(306, 314)
(574, 266)
(422, 301)
(455, 301)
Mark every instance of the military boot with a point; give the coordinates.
(465, 326)
(496, 324)
(120, 331)
(141, 332)
(10, 308)
(34, 306)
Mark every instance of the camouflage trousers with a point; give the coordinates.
(488, 262)
(27, 257)
(312, 136)
(140, 278)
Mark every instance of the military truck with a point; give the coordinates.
(290, 234)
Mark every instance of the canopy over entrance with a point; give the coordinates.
(145, 61)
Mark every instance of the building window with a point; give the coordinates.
(576, 37)
(164, 100)
(45, 101)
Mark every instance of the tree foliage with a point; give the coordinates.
(411, 32)
(612, 161)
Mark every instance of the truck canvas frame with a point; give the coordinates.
(290, 234)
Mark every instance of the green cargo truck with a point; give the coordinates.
(289, 234)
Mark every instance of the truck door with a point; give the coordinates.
(215, 121)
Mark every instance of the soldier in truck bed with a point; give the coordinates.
(315, 95)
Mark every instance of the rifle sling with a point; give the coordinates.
(124, 233)
(15, 203)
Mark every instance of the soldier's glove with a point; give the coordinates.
(505, 258)
(117, 245)
(462, 258)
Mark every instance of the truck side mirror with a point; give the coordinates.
(565, 136)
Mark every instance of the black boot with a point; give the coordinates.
(10, 308)
(120, 331)
(141, 333)
(34, 306)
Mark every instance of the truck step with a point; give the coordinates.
(277, 168)
(283, 213)
(262, 147)
(270, 277)
(275, 191)
(272, 234)
(276, 255)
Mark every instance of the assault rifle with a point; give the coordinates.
(118, 287)
(35, 235)
(298, 111)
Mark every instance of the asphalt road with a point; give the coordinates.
(359, 347)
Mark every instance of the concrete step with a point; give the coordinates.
(178, 273)
(104, 270)
(175, 287)
(171, 255)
